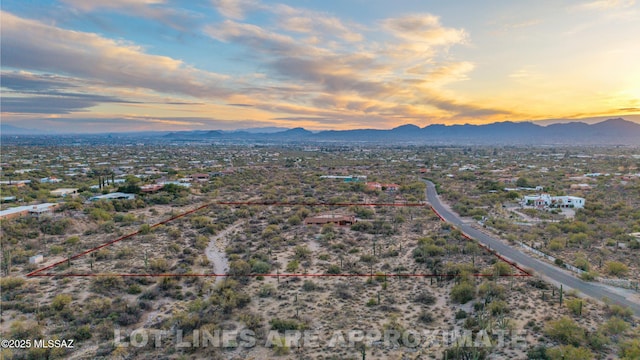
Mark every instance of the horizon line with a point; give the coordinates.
(541, 123)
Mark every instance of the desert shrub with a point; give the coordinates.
(538, 353)
(630, 349)
(425, 298)
(60, 301)
(292, 266)
(425, 317)
(72, 241)
(285, 324)
(555, 245)
(615, 326)
(362, 226)
(582, 263)
(463, 292)
(260, 267)
(460, 352)
(26, 330)
(616, 268)
(301, 252)
(423, 252)
(597, 341)
(309, 285)
(501, 268)
(588, 275)
(491, 290)
(333, 269)
(201, 242)
(461, 314)
(56, 249)
(565, 330)
(159, 265)
(107, 284)
(134, 289)
(99, 214)
(498, 307)
(569, 352)
(343, 291)
(56, 227)
(144, 229)
(9, 283)
(82, 333)
(619, 311)
(266, 290)
(239, 268)
(576, 306)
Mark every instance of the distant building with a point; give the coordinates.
(151, 188)
(340, 220)
(33, 210)
(50, 180)
(42, 209)
(583, 187)
(179, 183)
(16, 183)
(548, 201)
(36, 259)
(63, 192)
(346, 178)
(199, 177)
(113, 196)
(379, 186)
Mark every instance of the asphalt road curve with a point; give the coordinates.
(550, 272)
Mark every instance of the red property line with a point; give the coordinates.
(269, 203)
(39, 272)
(272, 275)
(493, 252)
(33, 273)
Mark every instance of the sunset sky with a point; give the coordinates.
(131, 65)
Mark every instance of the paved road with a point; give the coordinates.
(552, 273)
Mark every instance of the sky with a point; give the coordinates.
(138, 65)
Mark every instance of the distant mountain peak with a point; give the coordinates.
(617, 122)
(406, 127)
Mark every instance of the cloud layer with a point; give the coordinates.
(252, 63)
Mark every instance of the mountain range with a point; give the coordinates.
(612, 131)
(609, 132)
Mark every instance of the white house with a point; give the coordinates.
(548, 201)
(36, 259)
(50, 180)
